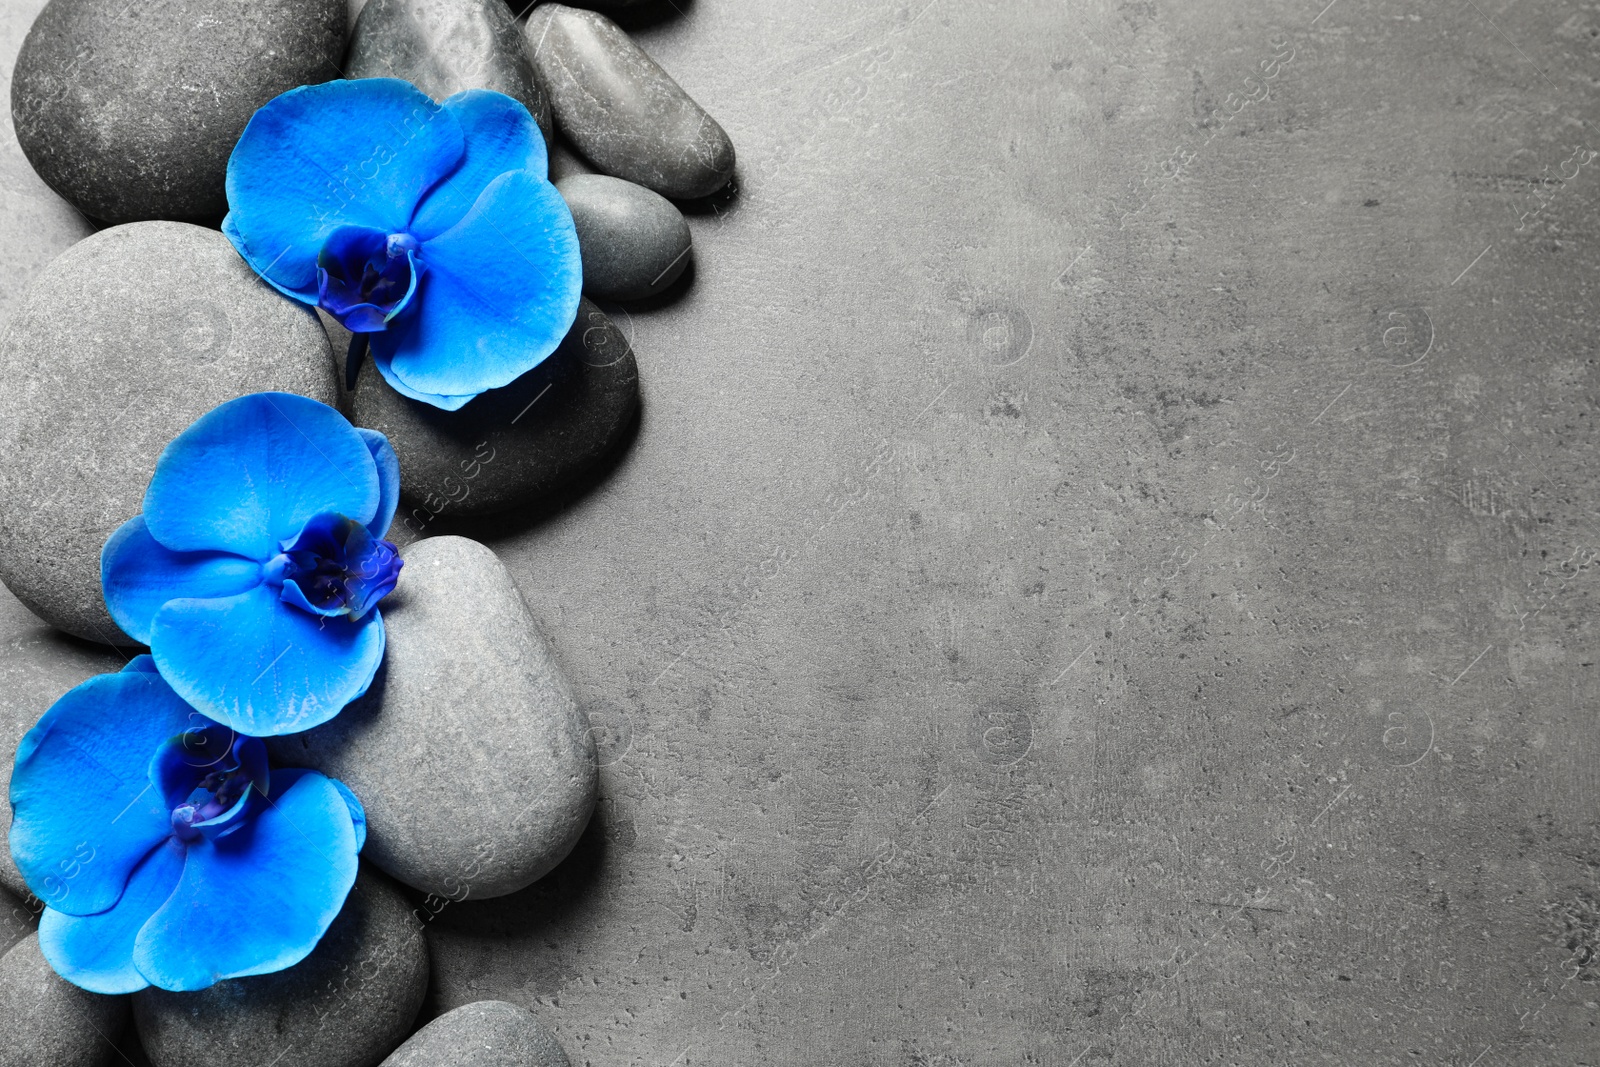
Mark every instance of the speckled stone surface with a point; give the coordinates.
(48, 1021)
(121, 343)
(348, 1004)
(489, 1033)
(621, 110)
(634, 242)
(37, 665)
(446, 46)
(984, 682)
(560, 422)
(129, 109)
(470, 756)
(17, 919)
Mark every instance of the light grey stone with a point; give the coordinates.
(348, 1004)
(122, 342)
(37, 666)
(533, 438)
(490, 1033)
(473, 761)
(621, 110)
(130, 109)
(446, 46)
(48, 1021)
(633, 241)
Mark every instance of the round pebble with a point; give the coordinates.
(348, 1004)
(446, 46)
(122, 342)
(474, 763)
(535, 437)
(489, 1033)
(49, 1022)
(621, 110)
(130, 108)
(634, 243)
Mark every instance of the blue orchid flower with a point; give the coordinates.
(256, 567)
(166, 850)
(429, 230)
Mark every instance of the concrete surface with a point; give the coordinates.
(1097, 582)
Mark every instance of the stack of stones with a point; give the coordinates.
(129, 110)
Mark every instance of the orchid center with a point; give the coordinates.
(335, 567)
(211, 772)
(366, 277)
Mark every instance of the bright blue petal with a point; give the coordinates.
(83, 810)
(358, 813)
(249, 474)
(306, 294)
(500, 136)
(262, 666)
(357, 153)
(258, 900)
(96, 951)
(388, 480)
(143, 664)
(139, 575)
(500, 292)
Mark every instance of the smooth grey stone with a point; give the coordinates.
(17, 919)
(444, 47)
(37, 666)
(473, 761)
(122, 342)
(490, 1033)
(621, 110)
(48, 1021)
(634, 243)
(348, 1004)
(129, 109)
(510, 445)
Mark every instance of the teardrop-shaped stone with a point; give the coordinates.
(473, 761)
(621, 110)
(446, 46)
(634, 242)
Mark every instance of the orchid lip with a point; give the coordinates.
(365, 277)
(334, 567)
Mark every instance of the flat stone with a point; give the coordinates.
(634, 243)
(621, 110)
(534, 437)
(473, 761)
(444, 47)
(130, 109)
(49, 1022)
(490, 1033)
(348, 1004)
(122, 342)
(37, 666)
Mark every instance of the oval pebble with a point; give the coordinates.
(122, 342)
(37, 666)
(473, 761)
(49, 1022)
(130, 109)
(634, 243)
(621, 110)
(489, 1033)
(446, 46)
(534, 437)
(348, 1004)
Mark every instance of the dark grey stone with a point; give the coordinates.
(18, 918)
(473, 761)
(446, 46)
(532, 438)
(48, 1021)
(490, 1033)
(122, 342)
(634, 242)
(348, 1004)
(621, 110)
(129, 109)
(37, 666)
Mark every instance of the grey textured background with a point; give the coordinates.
(1061, 611)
